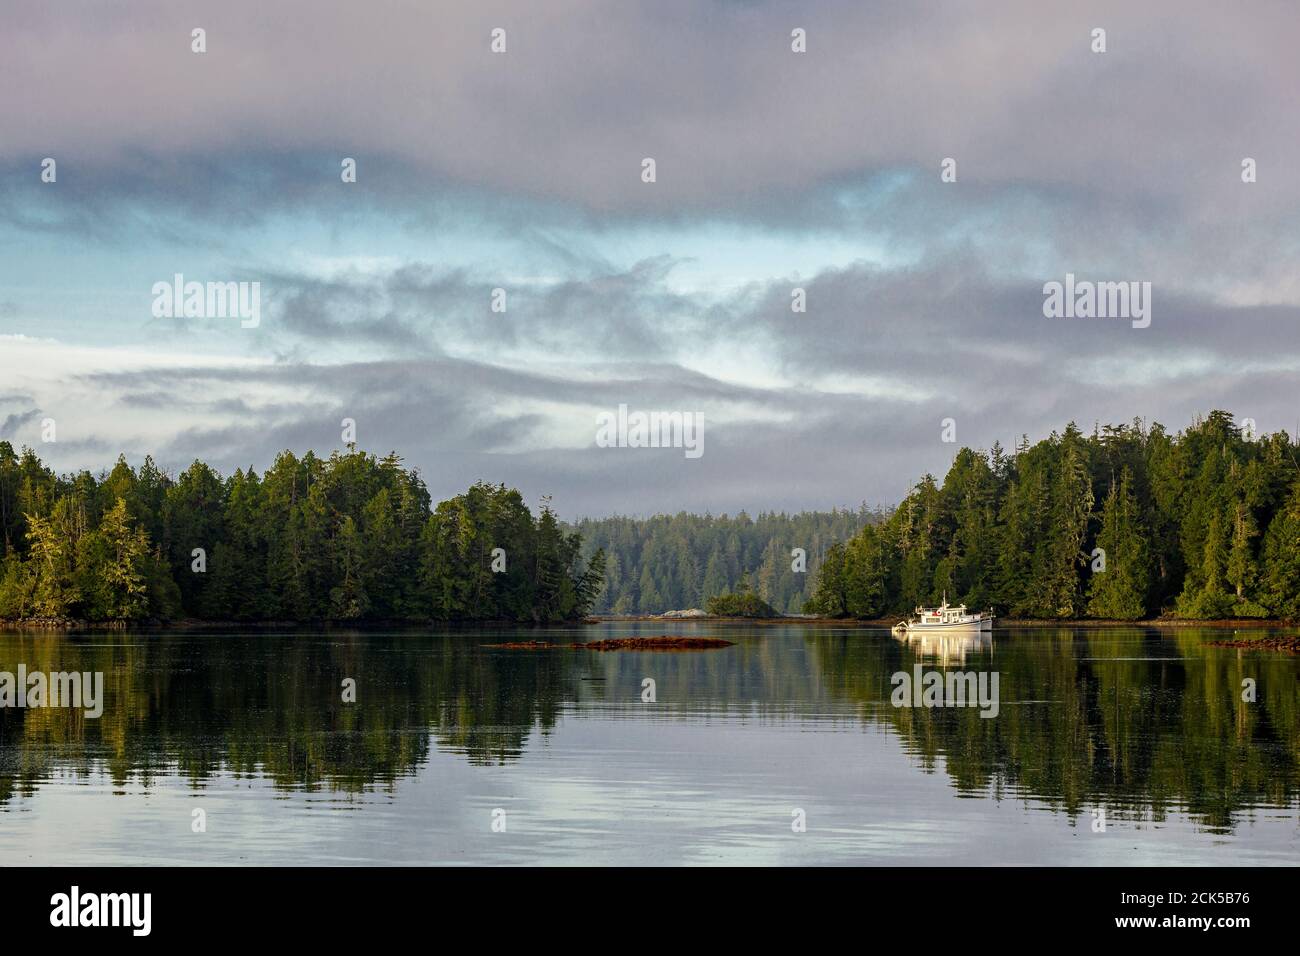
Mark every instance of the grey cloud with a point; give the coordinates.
(13, 423)
(974, 347)
(710, 89)
(417, 307)
(1116, 166)
(803, 448)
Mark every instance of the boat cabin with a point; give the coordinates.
(944, 614)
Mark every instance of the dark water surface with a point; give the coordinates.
(1148, 727)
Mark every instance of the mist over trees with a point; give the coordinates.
(348, 538)
(1204, 524)
(675, 562)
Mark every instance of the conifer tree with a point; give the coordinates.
(1120, 590)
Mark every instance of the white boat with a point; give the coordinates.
(945, 618)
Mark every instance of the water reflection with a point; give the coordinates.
(1131, 719)
(1135, 720)
(947, 648)
(273, 705)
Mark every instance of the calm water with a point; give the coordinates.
(251, 729)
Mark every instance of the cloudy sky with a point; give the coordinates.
(522, 171)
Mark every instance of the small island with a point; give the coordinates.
(742, 602)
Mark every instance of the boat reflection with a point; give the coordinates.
(947, 647)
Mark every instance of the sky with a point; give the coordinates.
(523, 171)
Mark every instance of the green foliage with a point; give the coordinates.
(114, 564)
(1281, 563)
(1203, 522)
(743, 602)
(1120, 592)
(348, 538)
(1180, 524)
(674, 562)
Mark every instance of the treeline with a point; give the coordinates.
(675, 562)
(1127, 523)
(348, 538)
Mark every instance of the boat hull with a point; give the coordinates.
(986, 625)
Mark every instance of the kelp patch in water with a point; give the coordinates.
(665, 642)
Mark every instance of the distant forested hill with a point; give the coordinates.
(680, 561)
(1128, 522)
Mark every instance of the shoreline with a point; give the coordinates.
(188, 624)
(1001, 622)
(62, 625)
